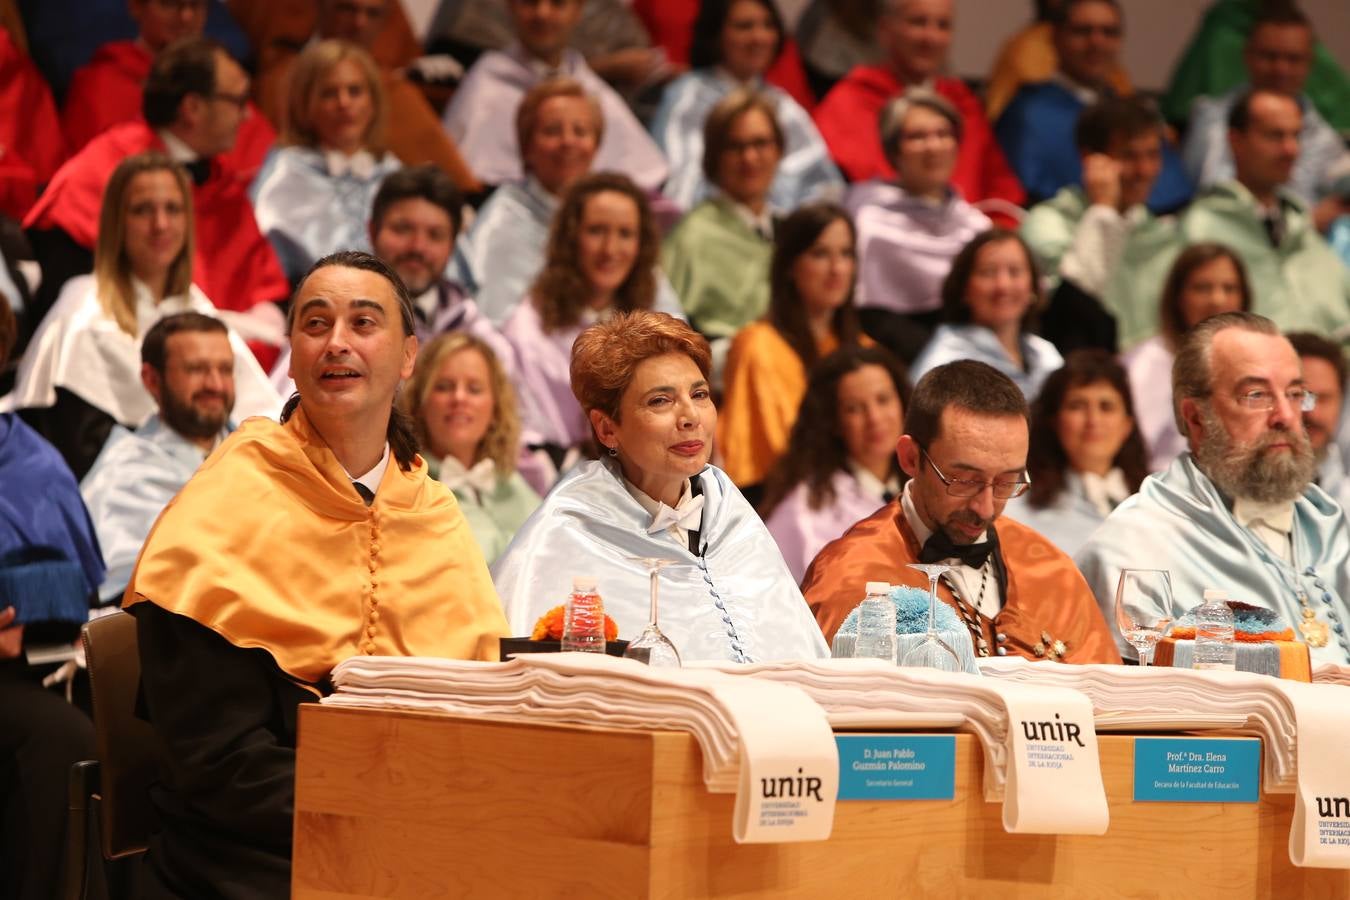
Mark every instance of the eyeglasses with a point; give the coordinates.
(958, 487)
(1264, 401)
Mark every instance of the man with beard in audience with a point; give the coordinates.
(1239, 512)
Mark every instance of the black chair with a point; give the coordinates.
(109, 797)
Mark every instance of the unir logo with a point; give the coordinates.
(787, 786)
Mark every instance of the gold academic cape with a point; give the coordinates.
(270, 546)
(1046, 593)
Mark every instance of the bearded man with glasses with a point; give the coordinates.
(965, 451)
(1240, 511)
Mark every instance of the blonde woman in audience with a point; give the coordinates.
(1086, 453)
(644, 381)
(989, 301)
(1206, 279)
(600, 260)
(811, 314)
(314, 193)
(81, 372)
(465, 413)
(911, 228)
(735, 43)
(840, 466)
(717, 257)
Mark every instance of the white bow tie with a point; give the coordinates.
(482, 477)
(1105, 492)
(687, 514)
(359, 165)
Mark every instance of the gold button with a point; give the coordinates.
(374, 616)
(370, 630)
(370, 648)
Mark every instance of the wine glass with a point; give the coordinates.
(932, 652)
(652, 646)
(1144, 609)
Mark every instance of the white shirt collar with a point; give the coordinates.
(481, 477)
(1278, 516)
(1085, 95)
(178, 151)
(428, 301)
(871, 485)
(360, 165)
(761, 223)
(1104, 492)
(371, 480)
(653, 508)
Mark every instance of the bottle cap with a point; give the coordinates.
(583, 584)
(1215, 594)
(878, 587)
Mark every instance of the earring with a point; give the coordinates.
(613, 451)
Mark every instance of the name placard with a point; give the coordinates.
(1197, 770)
(897, 767)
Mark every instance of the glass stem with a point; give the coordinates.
(932, 604)
(656, 574)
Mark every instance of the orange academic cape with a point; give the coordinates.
(1046, 593)
(269, 546)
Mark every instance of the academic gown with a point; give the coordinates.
(134, 478)
(481, 119)
(1045, 593)
(31, 145)
(1302, 285)
(765, 382)
(234, 264)
(107, 90)
(1127, 257)
(802, 532)
(495, 514)
(719, 267)
(952, 342)
(848, 119)
(501, 253)
(1028, 57)
(50, 562)
(1067, 521)
(1036, 132)
(257, 632)
(805, 171)
(81, 351)
(734, 600)
(1149, 367)
(306, 212)
(1180, 522)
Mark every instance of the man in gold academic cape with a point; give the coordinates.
(965, 451)
(295, 546)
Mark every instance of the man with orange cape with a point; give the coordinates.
(194, 102)
(294, 547)
(965, 451)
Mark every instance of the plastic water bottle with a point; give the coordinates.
(876, 624)
(1214, 647)
(584, 618)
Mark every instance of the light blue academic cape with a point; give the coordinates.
(805, 172)
(1068, 522)
(501, 253)
(737, 601)
(306, 213)
(952, 342)
(135, 476)
(1178, 521)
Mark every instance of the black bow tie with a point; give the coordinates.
(199, 170)
(939, 547)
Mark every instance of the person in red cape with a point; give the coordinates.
(31, 146)
(194, 101)
(106, 91)
(915, 35)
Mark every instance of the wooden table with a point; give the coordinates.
(402, 804)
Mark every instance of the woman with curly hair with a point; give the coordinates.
(1086, 453)
(464, 409)
(600, 260)
(840, 465)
